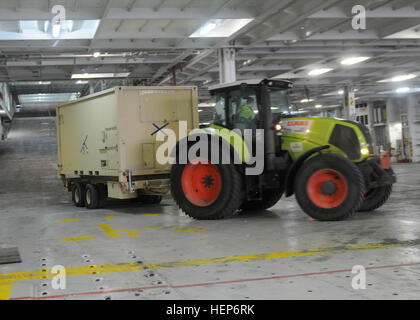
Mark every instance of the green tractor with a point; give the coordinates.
(328, 164)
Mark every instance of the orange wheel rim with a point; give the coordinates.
(201, 182)
(327, 188)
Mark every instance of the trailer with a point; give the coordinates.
(107, 142)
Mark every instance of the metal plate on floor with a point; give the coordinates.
(9, 255)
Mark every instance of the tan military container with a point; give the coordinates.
(109, 138)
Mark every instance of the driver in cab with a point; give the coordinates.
(246, 111)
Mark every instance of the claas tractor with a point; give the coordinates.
(327, 163)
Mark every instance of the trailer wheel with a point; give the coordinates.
(207, 191)
(91, 196)
(78, 194)
(102, 194)
(329, 187)
(150, 199)
(270, 198)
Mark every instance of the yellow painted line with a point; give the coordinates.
(189, 230)
(108, 230)
(110, 217)
(150, 214)
(67, 220)
(133, 234)
(7, 279)
(83, 238)
(113, 233)
(5, 289)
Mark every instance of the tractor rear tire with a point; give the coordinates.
(269, 198)
(329, 187)
(375, 198)
(207, 191)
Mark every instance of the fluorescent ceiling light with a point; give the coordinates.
(96, 54)
(318, 106)
(353, 60)
(45, 98)
(99, 75)
(402, 90)
(45, 30)
(81, 82)
(306, 100)
(56, 28)
(317, 72)
(220, 28)
(403, 77)
(44, 82)
(340, 92)
(207, 28)
(2, 112)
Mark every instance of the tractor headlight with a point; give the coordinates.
(364, 151)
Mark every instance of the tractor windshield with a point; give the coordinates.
(241, 108)
(279, 101)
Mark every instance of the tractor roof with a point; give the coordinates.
(278, 83)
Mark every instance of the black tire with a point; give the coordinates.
(78, 194)
(375, 198)
(102, 194)
(225, 205)
(91, 196)
(350, 182)
(269, 198)
(150, 199)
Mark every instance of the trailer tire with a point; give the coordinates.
(150, 199)
(78, 194)
(102, 194)
(270, 198)
(209, 192)
(329, 187)
(91, 196)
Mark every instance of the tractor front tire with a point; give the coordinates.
(375, 198)
(269, 198)
(329, 187)
(207, 191)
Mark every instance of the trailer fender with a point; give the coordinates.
(291, 173)
(215, 144)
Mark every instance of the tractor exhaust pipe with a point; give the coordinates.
(269, 144)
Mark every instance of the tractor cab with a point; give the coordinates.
(251, 104)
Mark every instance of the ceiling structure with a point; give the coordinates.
(146, 41)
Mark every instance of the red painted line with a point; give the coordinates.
(212, 283)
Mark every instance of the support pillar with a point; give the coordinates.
(414, 125)
(227, 67)
(349, 110)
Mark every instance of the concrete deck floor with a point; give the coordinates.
(130, 251)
